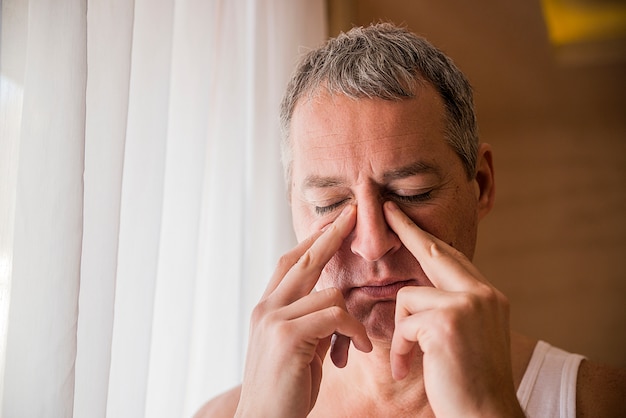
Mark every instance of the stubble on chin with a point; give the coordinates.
(377, 318)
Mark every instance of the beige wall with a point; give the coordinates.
(556, 240)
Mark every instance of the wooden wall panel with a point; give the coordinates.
(556, 240)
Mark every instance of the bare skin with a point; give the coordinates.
(401, 323)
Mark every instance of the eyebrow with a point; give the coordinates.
(409, 171)
(320, 182)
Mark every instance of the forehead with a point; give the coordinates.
(335, 134)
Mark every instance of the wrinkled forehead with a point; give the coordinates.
(321, 98)
(340, 130)
(324, 115)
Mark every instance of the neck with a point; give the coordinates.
(367, 381)
(365, 386)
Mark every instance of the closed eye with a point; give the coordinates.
(410, 199)
(323, 210)
(417, 198)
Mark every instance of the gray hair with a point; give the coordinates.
(387, 62)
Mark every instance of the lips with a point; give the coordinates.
(383, 291)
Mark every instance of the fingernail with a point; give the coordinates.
(391, 206)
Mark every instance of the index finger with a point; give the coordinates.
(446, 267)
(303, 275)
(288, 260)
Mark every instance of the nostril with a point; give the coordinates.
(374, 245)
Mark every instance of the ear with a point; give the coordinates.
(485, 181)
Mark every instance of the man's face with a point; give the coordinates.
(365, 152)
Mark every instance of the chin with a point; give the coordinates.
(378, 319)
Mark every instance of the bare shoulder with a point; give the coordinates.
(601, 390)
(223, 405)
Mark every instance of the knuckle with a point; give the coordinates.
(448, 326)
(469, 302)
(437, 249)
(285, 261)
(258, 312)
(307, 260)
(335, 313)
(504, 303)
(401, 302)
(270, 324)
(333, 294)
(492, 297)
(452, 319)
(282, 331)
(264, 315)
(434, 249)
(403, 294)
(402, 326)
(485, 302)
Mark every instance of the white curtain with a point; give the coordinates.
(142, 207)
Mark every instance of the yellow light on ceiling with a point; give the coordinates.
(570, 21)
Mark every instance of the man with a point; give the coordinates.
(379, 310)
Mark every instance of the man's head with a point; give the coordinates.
(382, 131)
(387, 62)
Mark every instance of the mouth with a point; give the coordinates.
(386, 291)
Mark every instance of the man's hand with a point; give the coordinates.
(461, 325)
(291, 330)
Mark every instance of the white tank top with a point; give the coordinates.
(548, 388)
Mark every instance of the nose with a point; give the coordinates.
(372, 237)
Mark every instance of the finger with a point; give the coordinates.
(315, 301)
(404, 343)
(288, 260)
(302, 277)
(445, 266)
(339, 350)
(401, 363)
(414, 299)
(323, 323)
(411, 301)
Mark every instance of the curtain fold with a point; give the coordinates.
(189, 105)
(47, 229)
(13, 40)
(109, 46)
(141, 206)
(146, 211)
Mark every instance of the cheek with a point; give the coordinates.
(433, 219)
(338, 264)
(454, 224)
(329, 275)
(303, 226)
(299, 229)
(305, 222)
(339, 271)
